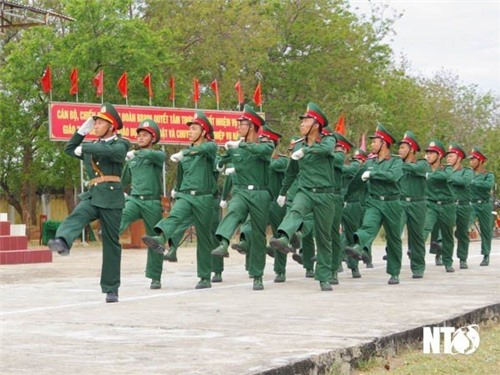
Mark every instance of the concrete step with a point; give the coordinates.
(13, 243)
(38, 255)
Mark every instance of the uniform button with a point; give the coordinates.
(111, 187)
(97, 163)
(96, 173)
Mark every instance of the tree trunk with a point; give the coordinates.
(69, 197)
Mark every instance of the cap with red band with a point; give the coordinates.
(313, 111)
(381, 132)
(436, 146)
(456, 149)
(109, 113)
(342, 141)
(478, 154)
(360, 154)
(250, 115)
(410, 139)
(201, 119)
(266, 131)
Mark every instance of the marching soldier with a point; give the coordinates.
(195, 190)
(251, 196)
(143, 173)
(383, 206)
(313, 157)
(352, 215)
(441, 207)
(104, 199)
(482, 205)
(460, 182)
(413, 190)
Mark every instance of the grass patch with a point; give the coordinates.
(411, 361)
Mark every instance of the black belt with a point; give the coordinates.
(195, 192)
(441, 203)
(412, 199)
(385, 197)
(463, 203)
(147, 197)
(323, 190)
(251, 187)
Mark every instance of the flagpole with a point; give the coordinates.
(173, 103)
(50, 95)
(150, 102)
(126, 100)
(81, 188)
(77, 97)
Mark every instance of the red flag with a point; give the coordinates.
(123, 85)
(98, 82)
(340, 128)
(215, 87)
(73, 77)
(257, 95)
(196, 90)
(237, 86)
(172, 88)
(363, 142)
(47, 80)
(147, 83)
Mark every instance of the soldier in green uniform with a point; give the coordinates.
(143, 175)
(104, 199)
(460, 182)
(441, 207)
(342, 147)
(383, 206)
(413, 190)
(313, 157)
(352, 215)
(482, 205)
(195, 187)
(251, 195)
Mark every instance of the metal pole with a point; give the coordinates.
(81, 188)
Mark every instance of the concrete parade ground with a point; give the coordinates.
(54, 319)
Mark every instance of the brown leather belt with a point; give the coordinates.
(100, 180)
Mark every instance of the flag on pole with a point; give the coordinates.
(215, 87)
(363, 142)
(73, 77)
(172, 89)
(196, 91)
(257, 95)
(98, 82)
(46, 80)
(122, 85)
(340, 128)
(237, 87)
(147, 83)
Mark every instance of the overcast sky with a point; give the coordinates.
(460, 36)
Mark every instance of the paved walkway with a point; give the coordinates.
(54, 319)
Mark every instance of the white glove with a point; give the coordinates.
(299, 154)
(229, 171)
(86, 127)
(78, 151)
(223, 204)
(365, 176)
(232, 144)
(130, 155)
(427, 176)
(177, 157)
(173, 193)
(281, 200)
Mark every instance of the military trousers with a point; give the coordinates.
(199, 211)
(444, 216)
(256, 204)
(464, 212)
(352, 218)
(413, 216)
(485, 219)
(336, 242)
(71, 228)
(387, 214)
(151, 212)
(276, 215)
(322, 207)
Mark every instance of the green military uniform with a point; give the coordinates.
(460, 182)
(143, 173)
(441, 207)
(104, 199)
(352, 215)
(195, 187)
(413, 191)
(250, 197)
(383, 206)
(338, 167)
(315, 194)
(482, 204)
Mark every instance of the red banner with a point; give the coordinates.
(65, 118)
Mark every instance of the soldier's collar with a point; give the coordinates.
(109, 139)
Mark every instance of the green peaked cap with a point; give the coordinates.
(313, 111)
(109, 113)
(201, 119)
(152, 128)
(457, 149)
(410, 139)
(252, 116)
(437, 146)
(381, 132)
